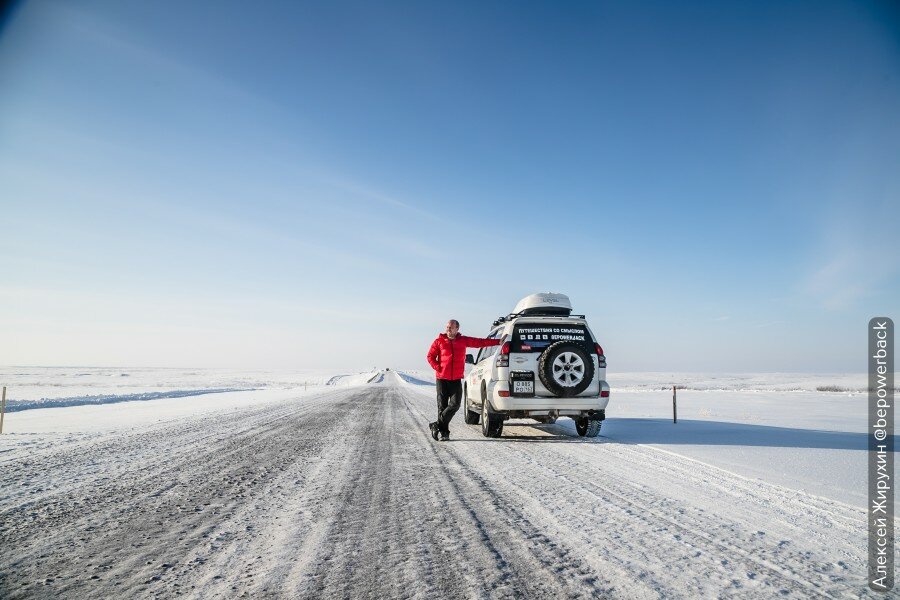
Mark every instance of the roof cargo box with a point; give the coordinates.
(546, 303)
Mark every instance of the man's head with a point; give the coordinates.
(452, 328)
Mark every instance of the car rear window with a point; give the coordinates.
(534, 337)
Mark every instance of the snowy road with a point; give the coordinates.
(344, 494)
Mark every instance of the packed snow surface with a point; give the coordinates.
(329, 485)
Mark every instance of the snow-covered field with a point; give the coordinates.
(327, 484)
(36, 387)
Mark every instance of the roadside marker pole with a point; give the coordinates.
(2, 408)
(674, 406)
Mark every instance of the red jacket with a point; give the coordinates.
(448, 357)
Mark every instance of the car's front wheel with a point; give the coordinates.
(469, 416)
(491, 422)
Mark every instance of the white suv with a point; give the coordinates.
(548, 365)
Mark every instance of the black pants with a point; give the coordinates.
(449, 393)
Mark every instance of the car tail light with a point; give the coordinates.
(604, 393)
(503, 393)
(601, 359)
(503, 358)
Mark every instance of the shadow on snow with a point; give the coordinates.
(689, 432)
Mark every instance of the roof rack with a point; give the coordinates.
(511, 316)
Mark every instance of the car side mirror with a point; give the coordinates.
(470, 360)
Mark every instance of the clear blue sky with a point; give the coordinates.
(322, 185)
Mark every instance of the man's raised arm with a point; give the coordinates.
(474, 342)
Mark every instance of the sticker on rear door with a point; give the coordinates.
(534, 338)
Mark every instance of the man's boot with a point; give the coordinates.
(433, 426)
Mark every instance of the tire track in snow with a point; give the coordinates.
(379, 540)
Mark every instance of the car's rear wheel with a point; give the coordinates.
(469, 416)
(587, 427)
(566, 369)
(491, 422)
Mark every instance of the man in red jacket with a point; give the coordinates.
(447, 356)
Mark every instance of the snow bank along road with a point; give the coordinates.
(344, 494)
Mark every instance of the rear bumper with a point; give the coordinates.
(545, 403)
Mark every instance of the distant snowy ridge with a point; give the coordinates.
(413, 380)
(17, 405)
(358, 379)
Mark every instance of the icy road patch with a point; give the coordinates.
(340, 492)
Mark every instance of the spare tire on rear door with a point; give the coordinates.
(566, 369)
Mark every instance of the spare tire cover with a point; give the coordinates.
(566, 369)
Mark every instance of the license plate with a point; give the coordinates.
(522, 383)
(523, 387)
